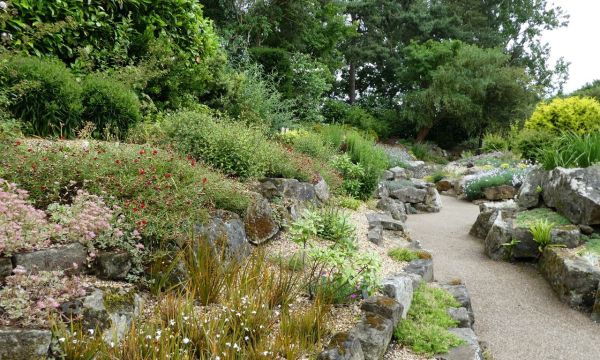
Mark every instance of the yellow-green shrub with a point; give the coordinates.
(579, 114)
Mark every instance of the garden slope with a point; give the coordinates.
(517, 313)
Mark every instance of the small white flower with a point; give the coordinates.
(62, 339)
(186, 340)
(3, 5)
(91, 331)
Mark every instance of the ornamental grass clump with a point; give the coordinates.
(572, 150)
(541, 232)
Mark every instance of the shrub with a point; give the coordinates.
(571, 150)
(309, 143)
(334, 225)
(109, 105)
(232, 147)
(578, 114)
(373, 160)
(339, 112)
(425, 330)
(44, 95)
(531, 143)
(494, 142)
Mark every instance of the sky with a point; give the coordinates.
(578, 42)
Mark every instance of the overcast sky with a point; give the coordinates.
(578, 43)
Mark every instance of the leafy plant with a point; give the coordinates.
(541, 231)
(425, 329)
(494, 142)
(496, 177)
(347, 202)
(531, 143)
(572, 150)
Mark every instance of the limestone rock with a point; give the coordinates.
(399, 287)
(568, 235)
(259, 222)
(375, 235)
(24, 344)
(462, 316)
(409, 195)
(418, 168)
(288, 188)
(399, 173)
(503, 192)
(226, 231)
(525, 248)
(72, 257)
(374, 333)
(487, 216)
(575, 194)
(573, 278)
(393, 207)
(384, 221)
(384, 306)
(322, 191)
(500, 233)
(112, 265)
(421, 267)
(343, 346)
(470, 350)
(529, 196)
(387, 175)
(461, 294)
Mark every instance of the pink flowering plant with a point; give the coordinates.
(22, 227)
(27, 298)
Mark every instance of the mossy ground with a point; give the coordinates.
(526, 218)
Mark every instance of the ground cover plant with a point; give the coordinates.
(526, 219)
(496, 177)
(425, 329)
(160, 192)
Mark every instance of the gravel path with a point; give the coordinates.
(516, 312)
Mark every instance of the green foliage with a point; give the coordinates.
(425, 329)
(572, 150)
(43, 94)
(352, 173)
(403, 254)
(578, 114)
(109, 32)
(526, 219)
(425, 152)
(233, 147)
(531, 143)
(541, 231)
(593, 245)
(340, 112)
(494, 142)
(347, 202)
(438, 176)
(591, 90)
(109, 105)
(162, 193)
(309, 143)
(335, 225)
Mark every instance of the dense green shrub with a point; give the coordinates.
(109, 105)
(233, 147)
(572, 150)
(309, 143)
(530, 143)
(43, 94)
(99, 33)
(577, 114)
(340, 112)
(494, 142)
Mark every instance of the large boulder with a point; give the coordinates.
(225, 231)
(411, 195)
(502, 192)
(384, 306)
(384, 221)
(259, 221)
(72, 257)
(432, 202)
(24, 344)
(374, 333)
(574, 193)
(529, 193)
(572, 277)
(393, 207)
(487, 216)
(500, 233)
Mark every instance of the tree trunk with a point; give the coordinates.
(352, 83)
(423, 132)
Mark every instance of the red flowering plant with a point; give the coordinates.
(160, 192)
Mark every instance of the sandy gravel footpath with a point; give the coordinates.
(516, 312)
